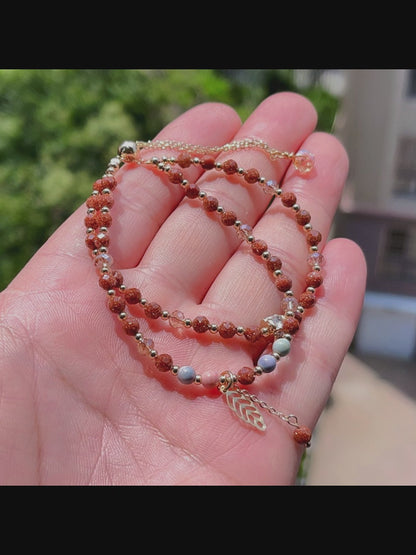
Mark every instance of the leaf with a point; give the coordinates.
(245, 409)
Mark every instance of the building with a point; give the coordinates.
(377, 124)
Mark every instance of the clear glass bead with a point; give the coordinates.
(103, 259)
(289, 303)
(270, 187)
(304, 161)
(275, 321)
(244, 231)
(145, 346)
(177, 319)
(315, 259)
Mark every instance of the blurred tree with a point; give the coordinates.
(58, 128)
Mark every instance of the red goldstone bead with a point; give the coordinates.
(118, 276)
(252, 175)
(210, 204)
(290, 325)
(313, 237)
(153, 310)
(110, 280)
(302, 435)
(192, 190)
(175, 176)
(104, 219)
(97, 239)
(227, 330)
(228, 218)
(116, 304)
(107, 182)
(283, 282)
(314, 279)
(307, 299)
(229, 167)
(98, 219)
(130, 325)
(200, 324)
(288, 199)
(184, 160)
(99, 201)
(107, 281)
(132, 295)
(274, 263)
(163, 362)
(253, 334)
(246, 375)
(303, 217)
(207, 162)
(259, 246)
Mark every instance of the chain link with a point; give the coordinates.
(200, 149)
(291, 419)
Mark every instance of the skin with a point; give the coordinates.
(80, 405)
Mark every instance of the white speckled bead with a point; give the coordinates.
(281, 346)
(186, 374)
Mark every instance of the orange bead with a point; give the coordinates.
(132, 295)
(130, 325)
(207, 162)
(116, 304)
(314, 279)
(253, 334)
(252, 175)
(288, 199)
(228, 218)
(184, 160)
(163, 362)
(246, 375)
(153, 310)
(290, 325)
(192, 190)
(175, 176)
(283, 282)
(227, 330)
(313, 237)
(259, 246)
(210, 203)
(229, 167)
(302, 435)
(200, 324)
(307, 299)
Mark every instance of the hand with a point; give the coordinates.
(80, 405)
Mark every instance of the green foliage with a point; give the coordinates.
(58, 129)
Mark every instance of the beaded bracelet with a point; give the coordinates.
(276, 330)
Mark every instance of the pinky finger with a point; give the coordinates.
(327, 334)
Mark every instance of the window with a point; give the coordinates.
(399, 256)
(405, 178)
(411, 83)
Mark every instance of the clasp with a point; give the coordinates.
(226, 381)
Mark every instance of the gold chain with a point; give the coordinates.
(291, 419)
(200, 149)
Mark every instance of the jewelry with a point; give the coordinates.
(276, 330)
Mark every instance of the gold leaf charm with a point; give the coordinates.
(245, 409)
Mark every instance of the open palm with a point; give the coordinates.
(80, 405)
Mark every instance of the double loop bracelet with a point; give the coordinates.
(275, 330)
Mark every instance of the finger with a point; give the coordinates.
(327, 334)
(146, 198)
(142, 202)
(192, 246)
(245, 281)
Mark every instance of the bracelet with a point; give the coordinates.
(275, 332)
